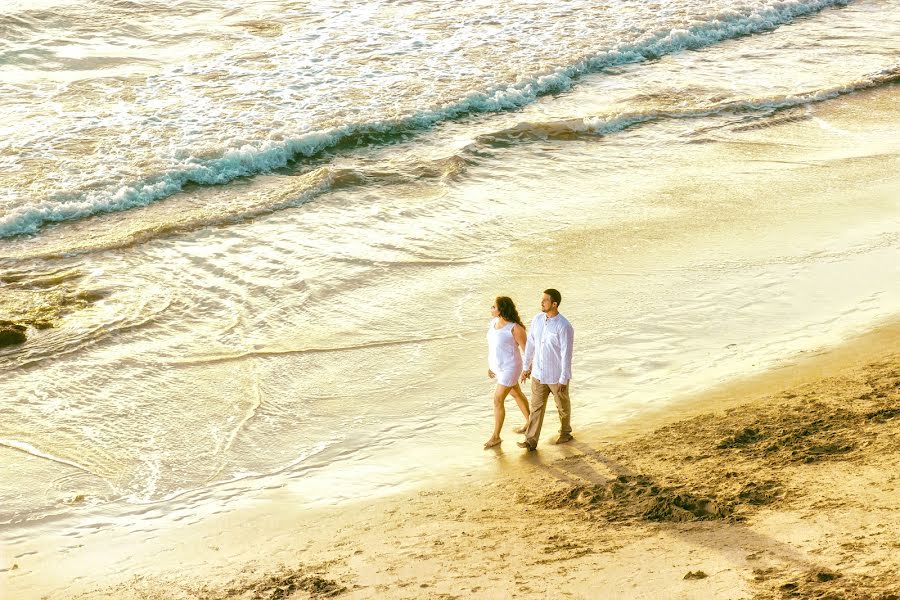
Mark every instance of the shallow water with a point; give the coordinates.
(262, 242)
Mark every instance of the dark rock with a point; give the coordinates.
(12, 336)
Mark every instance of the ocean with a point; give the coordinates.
(254, 245)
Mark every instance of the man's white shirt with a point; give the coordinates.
(550, 347)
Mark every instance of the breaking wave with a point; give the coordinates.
(253, 159)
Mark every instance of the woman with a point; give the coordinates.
(506, 342)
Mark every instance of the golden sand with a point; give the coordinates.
(780, 486)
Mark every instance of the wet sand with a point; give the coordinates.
(783, 485)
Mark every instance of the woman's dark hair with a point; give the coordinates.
(507, 309)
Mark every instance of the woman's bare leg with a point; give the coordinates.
(500, 393)
(522, 401)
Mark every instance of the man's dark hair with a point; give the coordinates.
(554, 295)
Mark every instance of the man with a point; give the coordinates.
(548, 361)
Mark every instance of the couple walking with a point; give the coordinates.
(548, 362)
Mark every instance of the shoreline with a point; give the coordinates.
(801, 368)
(572, 518)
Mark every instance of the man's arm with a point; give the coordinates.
(529, 353)
(565, 349)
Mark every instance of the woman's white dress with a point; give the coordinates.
(504, 358)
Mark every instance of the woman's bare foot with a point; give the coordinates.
(492, 442)
(520, 429)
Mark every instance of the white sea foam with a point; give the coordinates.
(251, 156)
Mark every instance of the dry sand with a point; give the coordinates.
(786, 485)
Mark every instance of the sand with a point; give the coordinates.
(784, 485)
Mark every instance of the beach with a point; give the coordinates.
(782, 485)
(247, 260)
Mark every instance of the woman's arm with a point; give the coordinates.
(519, 335)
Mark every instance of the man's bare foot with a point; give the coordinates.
(521, 429)
(492, 442)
